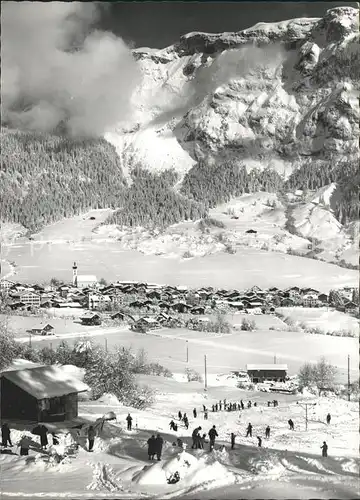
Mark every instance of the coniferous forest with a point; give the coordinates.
(46, 177)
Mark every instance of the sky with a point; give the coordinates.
(160, 24)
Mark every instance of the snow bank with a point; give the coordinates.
(193, 471)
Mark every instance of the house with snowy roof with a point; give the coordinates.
(37, 393)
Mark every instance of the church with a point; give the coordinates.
(84, 280)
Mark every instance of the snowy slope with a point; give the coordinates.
(119, 466)
(276, 95)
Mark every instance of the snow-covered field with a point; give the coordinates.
(289, 464)
(323, 318)
(224, 352)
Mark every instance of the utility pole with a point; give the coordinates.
(187, 351)
(106, 346)
(306, 411)
(205, 381)
(348, 377)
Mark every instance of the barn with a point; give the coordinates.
(40, 393)
(262, 372)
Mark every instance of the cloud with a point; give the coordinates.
(59, 72)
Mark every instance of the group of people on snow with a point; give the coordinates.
(155, 445)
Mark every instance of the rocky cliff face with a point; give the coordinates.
(276, 95)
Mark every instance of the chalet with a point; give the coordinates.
(46, 329)
(6, 285)
(90, 319)
(255, 304)
(197, 310)
(95, 300)
(164, 305)
(351, 306)
(119, 316)
(45, 303)
(154, 294)
(17, 304)
(293, 292)
(310, 300)
(40, 394)
(30, 298)
(262, 372)
(287, 302)
(147, 323)
(323, 297)
(71, 305)
(305, 291)
(238, 305)
(180, 307)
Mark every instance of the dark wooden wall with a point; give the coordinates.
(15, 403)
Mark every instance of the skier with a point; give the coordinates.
(232, 440)
(249, 404)
(324, 448)
(194, 412)
(328, 418)
(175, 427)
(172, 425)
(204, 407)
(158, 446)
(5, 435)
(216, 407)
(180, 415)
(91, 437)
(129, 422)
(269, 402)
(205, 415)
(291, 424)
(259, 441)
(195, 438)
(151, 447)
(242, 404)
(267, 432)
(213, 407)
(220, 405)
(212, 435)
(249, 430)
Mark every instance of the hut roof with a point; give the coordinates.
(46, 381)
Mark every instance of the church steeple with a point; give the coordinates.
(75, 274)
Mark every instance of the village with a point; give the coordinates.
(147, 305)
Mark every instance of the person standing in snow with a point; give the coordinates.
(24, 445)
(220, 405)
(151, 447)
(194, 412)
(232, 440)
(180, 415)
(202, 441)
(259, 441)
(5, 435)
(205, 414)
(186, 421)
(291, 424)
(324, 448)
(129, 422)
(91, 437)
(242, 404)
(249, 430)
(249, 404)
(267, 432)
(172, 425)
(204, 407)
(216, 407)
(212, 435)
(213, 407)
(43, 436)
(328, 418)
(196, 438)
(158, 446)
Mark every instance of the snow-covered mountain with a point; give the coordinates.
(279, 95)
